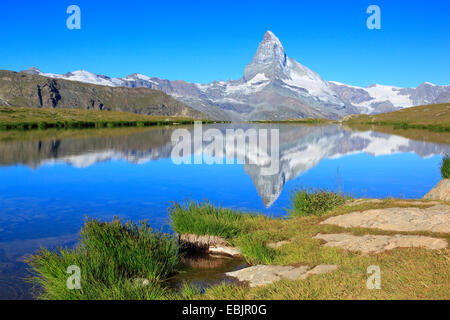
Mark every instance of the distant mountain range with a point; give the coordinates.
(30, 90)
(274, 87)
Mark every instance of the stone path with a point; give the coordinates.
(435, 219)
(265, 274)
(379, 243)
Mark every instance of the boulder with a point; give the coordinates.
(440, 192)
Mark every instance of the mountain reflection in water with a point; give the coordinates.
(301, 148)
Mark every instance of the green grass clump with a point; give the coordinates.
(314, 201)
(137, 250)
(255, 251)
(206, 219)
(445, 167)
(111, 256)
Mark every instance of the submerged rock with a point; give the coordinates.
(266, 274)
(378, 243)
(440, 192)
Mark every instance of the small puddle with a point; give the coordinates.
(204, 271)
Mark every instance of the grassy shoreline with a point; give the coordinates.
(15, 118)
(130, 261)
(433, 118)
(407, 126)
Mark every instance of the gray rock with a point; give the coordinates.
(225, 250)
(266, 274)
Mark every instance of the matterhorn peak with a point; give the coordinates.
(270, 50)
(269, 58)
(270, 36)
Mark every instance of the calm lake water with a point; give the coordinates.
(51, 180)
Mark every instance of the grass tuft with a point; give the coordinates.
(203, 218)
(314, 201)
(255, 251)
(445, 167)
(111, 256)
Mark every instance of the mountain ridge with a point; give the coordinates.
(274, 87)
(37, 91)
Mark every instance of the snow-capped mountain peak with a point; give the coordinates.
(89, 77)
(269, 59)
(137, 76)
(274, 87)
(270, 50)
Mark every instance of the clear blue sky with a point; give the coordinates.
(202, 41)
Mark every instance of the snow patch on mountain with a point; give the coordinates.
(302, 77)
(89, 77)
(389, 93)
(372, 98)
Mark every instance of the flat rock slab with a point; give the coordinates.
(378, 243)
(434, 219)
(261, 275)
(440, 192)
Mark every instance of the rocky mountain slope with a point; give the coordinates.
(377, 98)
(274, 87)
(32, 90)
